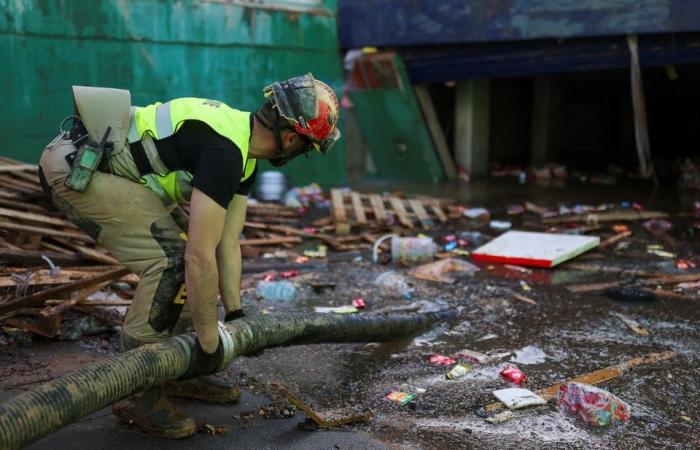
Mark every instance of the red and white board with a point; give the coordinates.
(528, 248)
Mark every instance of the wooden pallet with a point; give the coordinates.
(351, 207)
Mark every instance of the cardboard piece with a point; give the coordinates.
(516, 398)
(534, 249)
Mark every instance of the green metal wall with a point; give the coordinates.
(392, 124)
(159, 49)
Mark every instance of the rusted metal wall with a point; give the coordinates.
(159, 49)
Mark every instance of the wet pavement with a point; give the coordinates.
(563, 335)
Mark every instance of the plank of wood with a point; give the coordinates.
(378, 208)
(667, 279)
(41, 277)
(89, 253)
(596, 377)
(338, 205)
(91, 303)
(431, 119)
(615, 239)
(612, 216)
(34, 257)
(439, 213)
(294, 232)
(359, 209)
(271, 241)
(42, 231)
(37, 298)
(33, 217)
(75, 298)
(423, 217)
(397, 205)
(24, 206)
(5, 168)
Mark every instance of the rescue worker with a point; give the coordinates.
(120, 174)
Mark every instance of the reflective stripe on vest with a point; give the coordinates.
(162, 120)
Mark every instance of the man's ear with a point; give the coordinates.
(291, 139)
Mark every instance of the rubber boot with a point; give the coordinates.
(206, 388)
(154, 414)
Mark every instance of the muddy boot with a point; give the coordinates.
(153, 413)
(206, 388)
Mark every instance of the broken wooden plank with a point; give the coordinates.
(338, 205)
(360, 216)
(34, 257)
(615, 239)
(397, 205)
(426, 104)
(667, 279)
(30, 229)
(422, 215)
(378, 208)
(271, 241)
(37, 298)
(631, 324)
(439, 213)
(611, 216)
(75, 298)
(9, 168)
(89, 253)
(34, 217)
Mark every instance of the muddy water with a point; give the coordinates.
(563, 336)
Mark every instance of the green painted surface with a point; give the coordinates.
(159, 49)
(393, 127)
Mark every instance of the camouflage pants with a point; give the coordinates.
(132, 222)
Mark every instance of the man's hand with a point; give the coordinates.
(203, 363)
(201, 273)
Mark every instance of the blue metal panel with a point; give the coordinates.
(420, 22)
(443, 63)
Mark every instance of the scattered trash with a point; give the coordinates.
(474, 357)
(516, 398)
(500, 225)
(407, 251)
(631, 324)
(411, 389)
(513, 375)
(393, 284)
(214, 430)
(441, 360)
(435, 271)
(684, 264)
(276, 290)
(513, 210)
(529, 355)
(74, 328)
(320, 252)
(658, 224)
(595, 406)
(501, 417)
(347, 309)
(659, 251)
(402, 398)
(359, 303)
(517, 268)
(471, 237)
(289, 274)
(524, 286)
(534, 249)
(477, 214)
(458, 371)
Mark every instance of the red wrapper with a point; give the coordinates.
(441, 360)
(270, 277)
(289, 274)
(684, 264)
(359, 303)
(513, 375)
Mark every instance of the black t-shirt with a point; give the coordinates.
(215, 162)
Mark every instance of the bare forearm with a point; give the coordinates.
(201, 277)
(228, 257)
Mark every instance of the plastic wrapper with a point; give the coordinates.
(394, 285)
(513, 374)
(596, 407)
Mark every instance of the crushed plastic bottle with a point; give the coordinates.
(596, 407)
(393, 284)
(276, 290)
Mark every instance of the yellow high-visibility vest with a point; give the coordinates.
(162, 120)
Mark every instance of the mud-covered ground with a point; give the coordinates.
(562, 336)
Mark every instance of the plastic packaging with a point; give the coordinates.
(458, 371)
(513, 374)
(393, 284)
(407, 251)
(276, 290)
(596, 407)
(441, 360)
(402, 398)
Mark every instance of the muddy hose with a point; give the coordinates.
(57, 403)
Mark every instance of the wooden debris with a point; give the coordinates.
(611, 216)
(318, 419)
(615, 239)
(597, 377)
(631, 324)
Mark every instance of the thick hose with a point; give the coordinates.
(57, 403)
